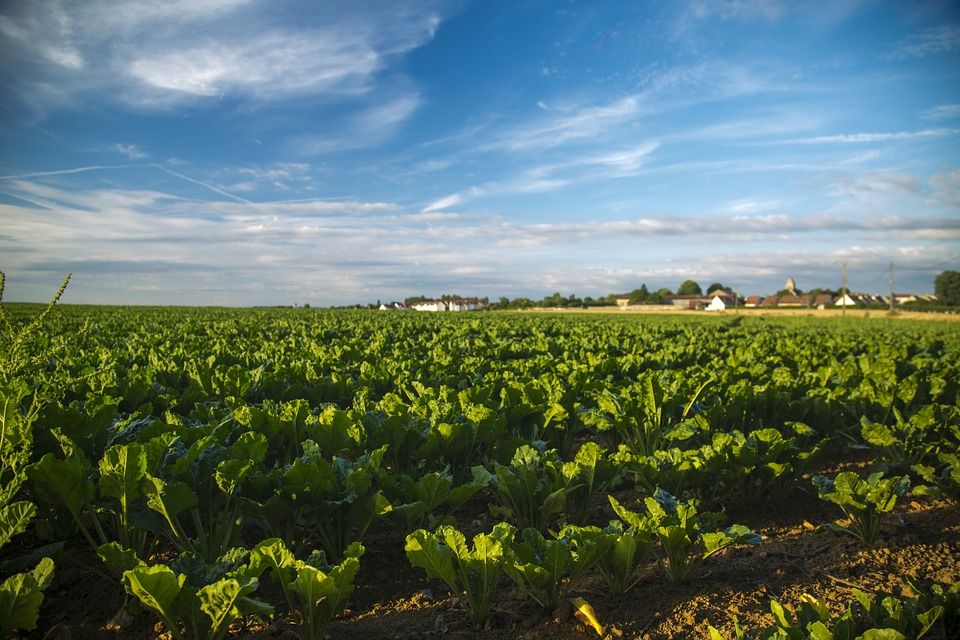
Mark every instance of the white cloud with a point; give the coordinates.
(444, 203)
(931, 41)
(571, 123)
(608, 165)
(769, 10)
(942, 112)
(127, 243)
(946, 187)
(873, 185)
(860, 138)
(160, 55)
(131, 151)
(368, 127)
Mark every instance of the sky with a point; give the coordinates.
(263, 152)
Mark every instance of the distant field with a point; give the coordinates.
(811, 313)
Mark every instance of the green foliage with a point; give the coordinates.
(883, 617)
(205, 429)
(913, 440)
(689, 288)
(644, 416)
(22, 349)
(21, 596)
(531, 490)
(339, 497)
(716, 286)
(628, 542)
(947, 287)
(686, 537)
(944, 478)
(473, 574)
(547, 569)
(435, 491)
(911, 618)
(592, 471)
(194, 599)
(864, 502)
(322, 590)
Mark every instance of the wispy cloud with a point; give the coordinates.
(367, 128)
(769, 10)
(230, 251)
(607, 165)
(860, 138)
(444, 203)
(563, 125)
(163, 55)
(131, 151)
(946, 187)
(942, 112)
(931, 41)
(873, 184)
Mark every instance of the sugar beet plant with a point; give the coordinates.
(686, 538)
(312, 587)
(472, 574)
(547, 568)
(864, 502)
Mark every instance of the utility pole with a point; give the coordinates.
(891, 286)
(843, 291)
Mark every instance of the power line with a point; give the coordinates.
(931, 268)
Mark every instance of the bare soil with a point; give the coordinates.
(392, 601)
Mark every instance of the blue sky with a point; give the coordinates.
(245, 152)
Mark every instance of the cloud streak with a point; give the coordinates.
(862, 138)
(931, 41)
(159, 57)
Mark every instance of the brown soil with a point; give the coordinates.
(395, 602)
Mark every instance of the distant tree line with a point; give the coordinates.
(946, 286)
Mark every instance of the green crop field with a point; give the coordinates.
(213, 473)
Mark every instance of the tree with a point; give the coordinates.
(639, 296)
(689, 288)
(716, 286)
(947, 287)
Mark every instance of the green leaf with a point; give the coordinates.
(225, 600)
(157, 587)
(21, 596)
(819, 631)
(313, 585)
(119, 560)
(66, 480)
(780, 615)
(882, 634)
(274, 555)
(121, 469)
(167, 499)
(14, 519)
(230, 474)
(425, 550)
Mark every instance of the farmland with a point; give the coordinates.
(211, 473)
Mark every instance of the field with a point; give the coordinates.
(212, 473)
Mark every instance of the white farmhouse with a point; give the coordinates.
(430, 305)
(846, 300)
(717, 304)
